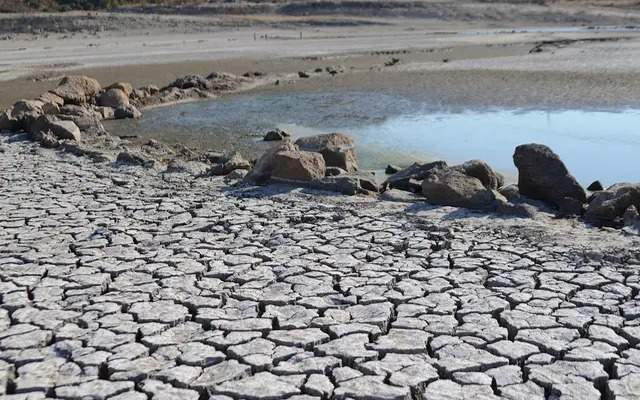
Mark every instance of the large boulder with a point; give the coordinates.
(410, 178)
(543, 176)
(77, 89)
(300, 166)
(608, 206)
(337, 149)
(265, 165)
(113, 98)
(450, 187)
(481, 170)
(66, 130)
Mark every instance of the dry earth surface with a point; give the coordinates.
(129, 283)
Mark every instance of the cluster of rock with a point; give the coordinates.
(325, 161)
(76, 106)
(79, 104)
(329, 162)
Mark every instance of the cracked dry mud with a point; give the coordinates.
(128, 284)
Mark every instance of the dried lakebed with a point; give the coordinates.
(389, 127)
(127, 283)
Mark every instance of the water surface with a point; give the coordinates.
(400, 128)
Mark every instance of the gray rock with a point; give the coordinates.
(608, 206)
(543, 176)
(448, 187)
(127, 111)
(77, 89)
(276, 134)
(409, 178)
(60, 129)
(483, 172)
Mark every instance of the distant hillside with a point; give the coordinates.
(65, 5)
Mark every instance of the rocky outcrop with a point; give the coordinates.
(410, 178)
(450, 187)
(337, 149)
(77, 89)
(543, 176)
(608, 206)
(114, 98)
(300, 166)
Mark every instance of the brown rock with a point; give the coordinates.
(450, 187)
(127, 88)
(301, 166)
(265, 165)
(113, 98)
(77, 89)
(336, 148)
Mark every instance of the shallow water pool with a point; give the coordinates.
(397, 128)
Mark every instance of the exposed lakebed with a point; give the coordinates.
(397, 128)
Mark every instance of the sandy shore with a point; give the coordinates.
(548, 61)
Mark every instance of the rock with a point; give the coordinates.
(569, 206)
(191, 81)
(367, 181)
(511, 193)
(608, 206)
(26, 107)
(7, 122)
(335, 171)
(391, 169)
(276, 134)
(303, 74)
(631, 216)
(51, 98)
(595, 186)
(265, 165)
(127, 111)
(127, 157)
(127, 88)
(299, 166)
(400, 196)
(114, 98)
(336, 149)
(234, 162)
(524, 210)
(543, 176)
(60, 129)
(194, 168)
(77, 89)
(450, 187)
(482, 171)
(409, 178)
(345, 184)
(46, 139)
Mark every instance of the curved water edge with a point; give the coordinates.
(398, 128)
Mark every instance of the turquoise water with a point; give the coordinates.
(388, 127)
